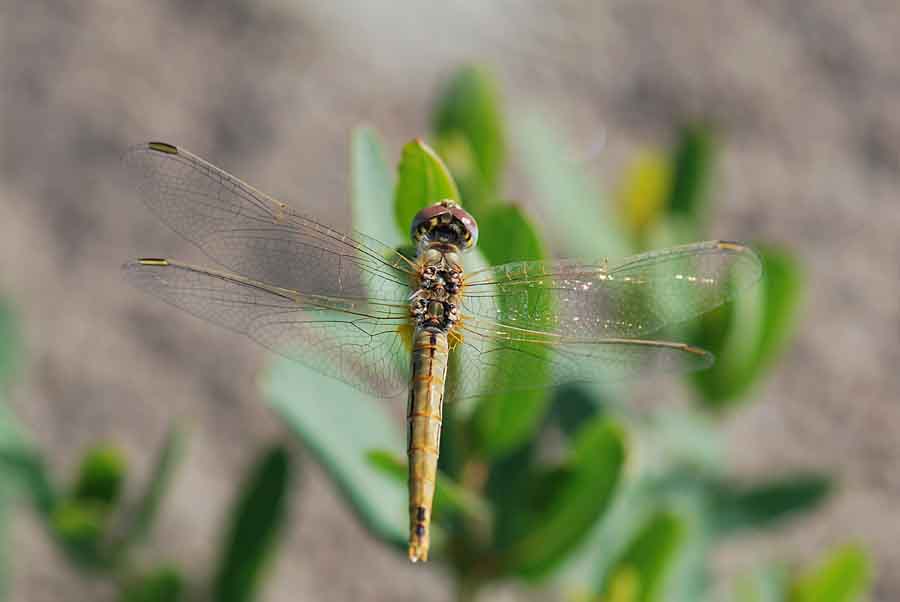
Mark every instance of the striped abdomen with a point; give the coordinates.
(426, 398)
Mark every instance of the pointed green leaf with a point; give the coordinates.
(845, 576)
(373, 189)
(784, 284)
(749, 334)
(648, 559)
(449, 496)
(691, 173)
(144, 516)
(422, 181)
(253, 528)
(165, 584)
(763, 505)
(339, 424)
(595, 471)
(470, 107)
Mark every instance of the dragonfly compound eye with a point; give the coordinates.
(445, 222)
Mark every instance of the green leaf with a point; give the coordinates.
(749, 334)
(26, 469)
(572, 406)
(692, 169)
(510, 491)
(784, 284)
(469, 107)
(454, 149)
(373, 189)
(575, 212)
(423, 180)
(595, 471)
(449, 496)
(845, 576)
(255, 523)
(763, 505)
(11, 345)
(101, 475)
(144, 516)
(504, 421)
(80, 527)
(22, 467)
(165, 584)
(508, 235)
(648, 559)
(339, 425)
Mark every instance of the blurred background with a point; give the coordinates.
(803, 101)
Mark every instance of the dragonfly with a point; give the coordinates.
(389, 323)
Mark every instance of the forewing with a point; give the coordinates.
(493, 358)
(357, 342)
(636, 298)
(253, 235)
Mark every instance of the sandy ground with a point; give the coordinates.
(808, 94)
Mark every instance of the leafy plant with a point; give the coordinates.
(99, 528)
(537, 486)
(843, 575)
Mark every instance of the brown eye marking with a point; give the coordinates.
(420, 513)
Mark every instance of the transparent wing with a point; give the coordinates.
(253, 235)
(587, 301)
(496, 358)
(357, 342)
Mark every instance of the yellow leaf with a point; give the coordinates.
(643, 190)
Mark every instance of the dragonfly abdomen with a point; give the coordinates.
(424, 414)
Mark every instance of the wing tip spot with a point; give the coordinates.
(152, 261)
(163, 147)
(730, 245)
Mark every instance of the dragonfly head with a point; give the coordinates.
(445, 222)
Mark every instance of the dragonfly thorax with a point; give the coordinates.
(435, 301)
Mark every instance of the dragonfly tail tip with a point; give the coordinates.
(418, 553)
